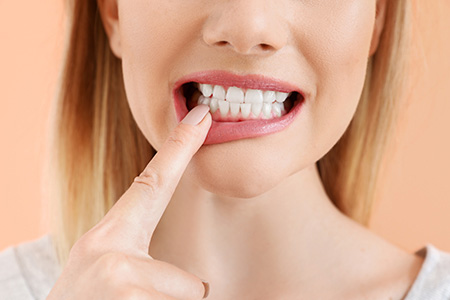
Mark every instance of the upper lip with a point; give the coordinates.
(250, 81)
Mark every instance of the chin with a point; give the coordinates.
(218, 185)
(220, 170)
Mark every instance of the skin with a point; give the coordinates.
(111, 260)
(251, 224)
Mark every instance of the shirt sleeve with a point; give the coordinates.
(13, 285)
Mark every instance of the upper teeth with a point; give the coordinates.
(237, 95)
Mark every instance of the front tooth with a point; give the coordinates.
(206, 89)
(213, 105)
(256, 109)
(269, 96)
(224, 107)
(235, 95)
(253, 96)
(281, 96)
(234, 108)
(245, 109)
(219, 92)
(267, 109)
(276, 107)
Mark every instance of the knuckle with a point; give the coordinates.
(150, 180)
(90, 243)
(114, 267)
(178, 139)
(85, 246)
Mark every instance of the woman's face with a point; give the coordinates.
(320, 47)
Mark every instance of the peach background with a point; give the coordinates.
(415, 205)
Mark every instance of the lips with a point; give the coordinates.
(221, 132)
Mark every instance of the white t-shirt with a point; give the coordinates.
(29, 270)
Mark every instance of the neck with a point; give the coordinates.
(285, 237)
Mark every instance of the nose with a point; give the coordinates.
(247, 26)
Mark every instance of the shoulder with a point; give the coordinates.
(28, 270)
(433, 280)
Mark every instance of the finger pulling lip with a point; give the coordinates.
(221, 132)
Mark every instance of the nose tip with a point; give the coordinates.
(246, 27)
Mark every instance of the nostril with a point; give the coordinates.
(265, 47)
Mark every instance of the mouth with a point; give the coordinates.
(235, 104)
(241, 106)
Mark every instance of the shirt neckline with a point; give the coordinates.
(427, 252)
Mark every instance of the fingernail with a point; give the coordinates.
(206, 284)
(196, 115)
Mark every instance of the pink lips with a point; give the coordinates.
(222, 132)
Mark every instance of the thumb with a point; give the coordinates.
(137, 213)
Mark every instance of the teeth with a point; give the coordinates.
(219, 92)
(269, 96)
(214, 105)
(281, 97)
(203, 100)
(253, 96)
(245, 109)
(235, 100)
(206, 89)
(235, 95)
(234, 109)
(276, 108)
(224, 107)
(256, 109)
(267, 109)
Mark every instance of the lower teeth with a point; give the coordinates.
(243, 110)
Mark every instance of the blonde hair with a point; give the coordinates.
(97, 148)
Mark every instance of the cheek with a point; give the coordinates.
(151, 45)
(152, 41)
(338, 55)
(332, 46)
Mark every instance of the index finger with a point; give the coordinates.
(138, 211)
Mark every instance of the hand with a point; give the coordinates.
(111, 260)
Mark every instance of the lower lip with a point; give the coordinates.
(222, 132)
